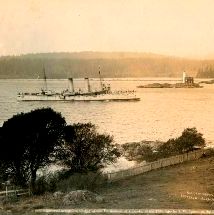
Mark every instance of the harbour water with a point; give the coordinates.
(161, 114)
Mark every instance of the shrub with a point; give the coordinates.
(65, 181)
(167, 149)
(209, 152)
(138, 152)
(46, 183)
(79, 181)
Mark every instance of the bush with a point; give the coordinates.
(65, 181)
(209, 152)
(46, 183)
(79, 181)
(167, 149)
(138, 152)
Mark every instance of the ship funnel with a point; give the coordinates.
(88, 84)
(71, 85)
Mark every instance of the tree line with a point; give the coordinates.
(206, 72)
(79, 65)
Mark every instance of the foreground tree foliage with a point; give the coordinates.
(28, 141)
(86, 150)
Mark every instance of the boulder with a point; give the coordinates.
(78, 196)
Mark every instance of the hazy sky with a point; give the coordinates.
(172, 27)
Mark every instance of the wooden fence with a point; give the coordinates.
(114, 176)
(16, 192)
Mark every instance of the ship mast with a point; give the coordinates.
(101, 83)
(45, 79)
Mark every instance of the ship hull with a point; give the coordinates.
(104, 97)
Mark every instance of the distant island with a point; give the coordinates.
(207, 82)
(167, 85)
(187, 82)
(86, 64)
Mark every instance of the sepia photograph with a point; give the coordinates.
(106, 107)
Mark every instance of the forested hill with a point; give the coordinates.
(206, 72)
(86, 64)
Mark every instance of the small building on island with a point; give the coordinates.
(187, 79)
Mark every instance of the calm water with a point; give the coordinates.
(161, 114)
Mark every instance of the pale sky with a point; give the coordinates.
(171, 27)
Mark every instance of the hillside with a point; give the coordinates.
(206, 72)
(185, 186)
(85, 64)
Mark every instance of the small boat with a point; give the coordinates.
(104, 94)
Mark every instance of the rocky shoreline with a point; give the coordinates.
(207, 82)
(167, 85)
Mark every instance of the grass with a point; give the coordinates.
(170, 187)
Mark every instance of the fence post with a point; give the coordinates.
(6, 191)
(15, 191)
(109, 176)
(29, 190)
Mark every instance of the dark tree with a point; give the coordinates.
(28, 142)
(189, 139)
(86, 150)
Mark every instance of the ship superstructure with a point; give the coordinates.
(70, 94)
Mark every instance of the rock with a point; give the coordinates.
(78, 196)
(99, 199)
(58, 194)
